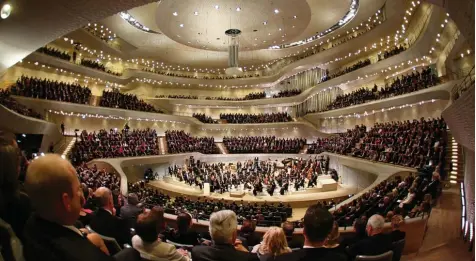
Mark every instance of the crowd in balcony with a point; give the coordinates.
(94, 178)
(287, 93)
(190, 97)
(394, 51)
(249, 96)
(239, 118)
(116, 99)
(114, 143)
(416, 143)
(356, 66)
(263, 144)
(181, 142)
(7, 101)
(204, 118)
(411, 82)
(50, 90)
(98, 66)
(54, 52)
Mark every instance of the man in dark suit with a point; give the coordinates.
(376, 243)
(225, 247)
(104, 220)
(318, 224)
(131, 211)
(55, 193)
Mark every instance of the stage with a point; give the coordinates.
(297, 199)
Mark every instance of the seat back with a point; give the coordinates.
(398, 249)
(110, 242)
(387, 256)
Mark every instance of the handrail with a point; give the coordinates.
(464, 85)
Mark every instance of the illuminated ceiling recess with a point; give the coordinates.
(133, 21)
(354, 7)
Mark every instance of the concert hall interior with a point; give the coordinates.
(237, 130)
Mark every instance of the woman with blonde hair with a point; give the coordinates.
(274, 244)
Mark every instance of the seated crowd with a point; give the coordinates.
(416, 143)
(204, 118)
(116, 99)
(190, 97)
(50, 90)
(287, 93)
(181, 142)
(356, 66)
(238, 118)
(249, 96)
(394, 51)
(412, 82)
(7, 101)
(263, 144)
(112, 144)
(93, 64)
(54, 52)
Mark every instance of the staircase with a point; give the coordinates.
(304, 149)
(70, 142)
(455, 160)
(221, 147)
(163, 149)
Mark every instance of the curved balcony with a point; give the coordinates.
(17, 123)
(163, 122)
(439, 92)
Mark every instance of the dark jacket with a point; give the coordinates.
(189, 238)
(310, 254)
(130, 213)
(49, 241)
(221, 253)
(371, 246)
(397, 235)
(106, 224)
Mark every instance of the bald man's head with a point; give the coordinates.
(104, 196)
(54, 189)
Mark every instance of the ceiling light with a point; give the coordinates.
(265, 23)
(276, 11)
(181, 25)
(295, 16)
(280, 29)
(217, 7)
(238, 9)
(195, 13)
(6, 10)
(175, 13)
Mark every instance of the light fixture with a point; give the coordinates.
(238, 9)
(181, 25)
(276, 11)
(6, 11)
(280, 29)
(217, 7)
(175, 13)
(265, 22)
(295, 16)
(195, 13)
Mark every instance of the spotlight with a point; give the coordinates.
(6, 11)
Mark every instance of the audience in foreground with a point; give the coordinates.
(225, 247)
(50, 233)
(376, 243)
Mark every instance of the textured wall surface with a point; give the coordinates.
(469, 184)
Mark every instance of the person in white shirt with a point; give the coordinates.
(147, 239)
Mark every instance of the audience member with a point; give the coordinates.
(288, 229)
(394, 51)
(396, 233)
(104, 220)
(7, 101)
(181, 142)
(287, 93)
(274, 244)
(247, 231)
(376, 243)
(184, 234)
(356, 66)
(262, 144)
(131, 210)
(255, 118)
(360, 233)
(116, 99)
(47, 89)
(318, 224)
(147, 238)
(55, 193)
(223, 231)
